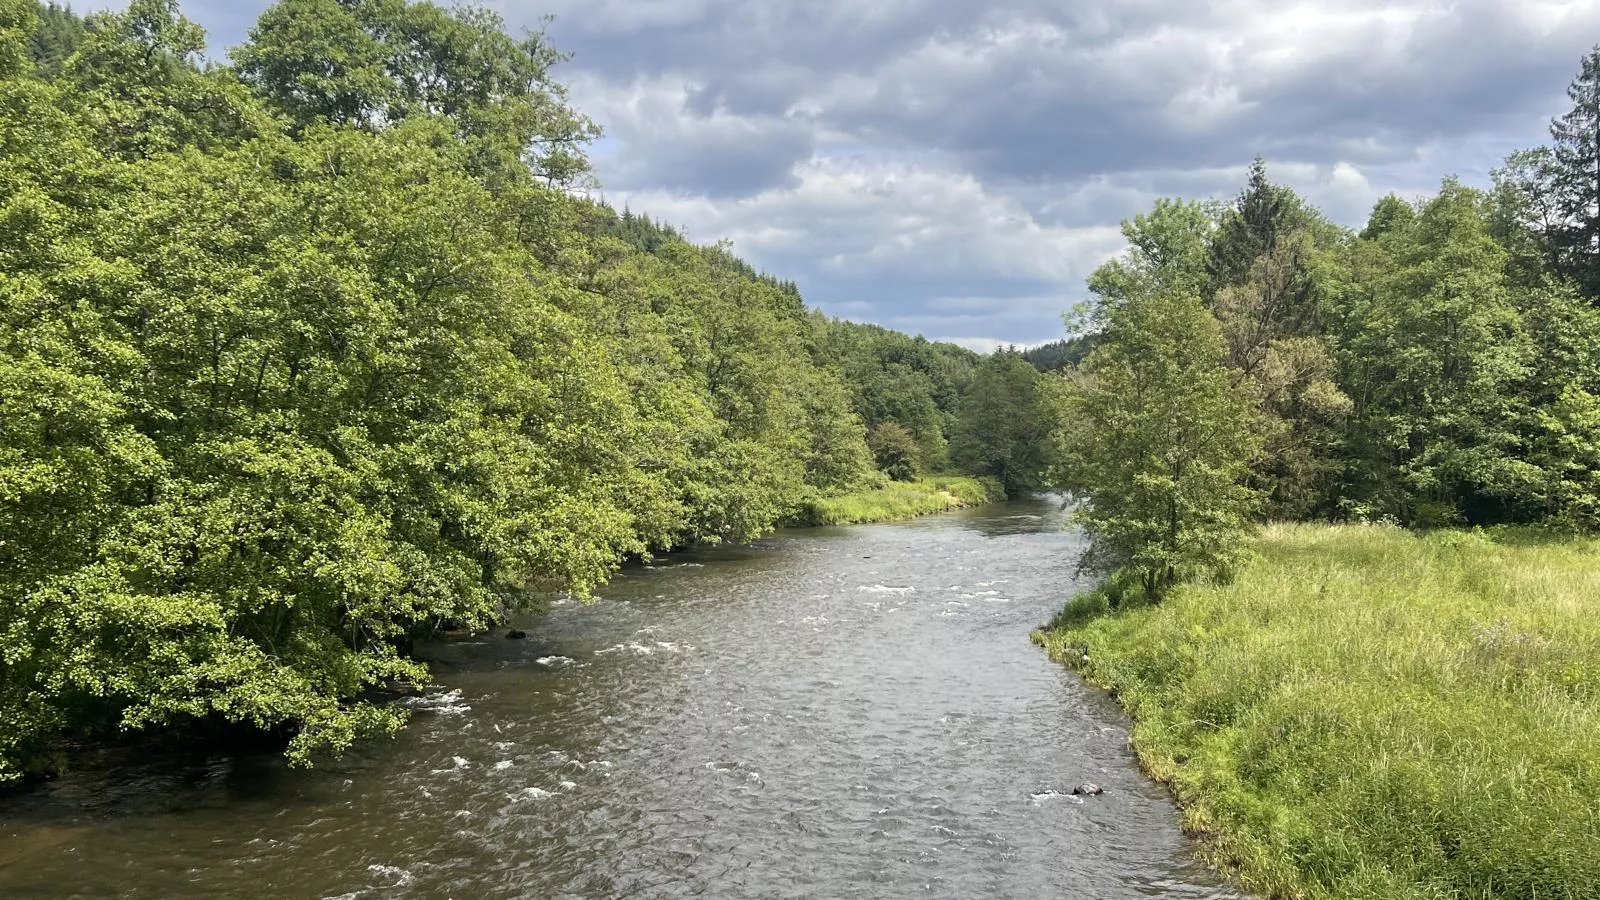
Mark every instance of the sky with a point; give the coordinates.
(957, 168)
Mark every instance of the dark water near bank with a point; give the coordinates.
(829, 713)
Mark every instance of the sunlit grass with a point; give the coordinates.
(899, 500)
(1369, 713)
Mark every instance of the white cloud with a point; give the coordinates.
(864, 216)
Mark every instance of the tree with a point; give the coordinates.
(837, 457)
(1002, 426)
(1263, 215)
(1167, 251)
(1575, 179)
(136, 78)
(1524, 217)
(1056, 356)
(1388, 215)
(1155, 441)
(374, 63)
(895, 450)
(278, 399)
(1430, 345)
(318, 62)
(57, 37)
(18, 19)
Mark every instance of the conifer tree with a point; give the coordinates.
(1575, 179)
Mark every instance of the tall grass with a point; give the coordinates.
(1369, 713)
(899, 500)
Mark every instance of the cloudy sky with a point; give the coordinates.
(956, 168)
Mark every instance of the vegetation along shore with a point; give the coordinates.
(898, 500)
(1367, 712)
(1345, 707)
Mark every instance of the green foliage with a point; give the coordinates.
(1167, 251)
(280, 394)
(1365, 712)
(55, 38)
(1264, 219)
(135, 80)
(1155, 440)
(376, 63)
(1433, 350)
(1390, 214)
(1573, 183)
(1003, 425)
(1436, 368)
(901, 500)
(1057, 356)
(894, 450)
(1362, 712)
(19, 27)
(897, 378)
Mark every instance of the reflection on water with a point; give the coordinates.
(842, 712)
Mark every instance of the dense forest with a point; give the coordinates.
(322, 350)
(1254, 361)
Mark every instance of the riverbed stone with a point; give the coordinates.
(1088, 789)
(516, 635)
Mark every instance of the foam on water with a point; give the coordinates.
(642, 649)
(403, 878)
(885, 589)
(553, 661)
(438, 700)
(458, 763)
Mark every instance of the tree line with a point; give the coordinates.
(321, 350)
(1252, 360)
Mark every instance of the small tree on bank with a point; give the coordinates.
(894, 449)
(1156, 441)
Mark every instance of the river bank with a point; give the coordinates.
(826, 712)
(1365, 712)
(895, 502)
(898, 501)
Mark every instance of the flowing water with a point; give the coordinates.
(830, 713)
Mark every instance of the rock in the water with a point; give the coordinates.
(516, 635)
(1087, 789)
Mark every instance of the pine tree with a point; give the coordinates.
(1261, 218)
(1576, 179)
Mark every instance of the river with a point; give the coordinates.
(828, 713)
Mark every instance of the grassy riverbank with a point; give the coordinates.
(900, 500)
(1370, 713)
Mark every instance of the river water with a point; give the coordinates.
(829, 713)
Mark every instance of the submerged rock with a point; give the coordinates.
(1087, 789)
(516, 635)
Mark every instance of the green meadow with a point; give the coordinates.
(1369, 712)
